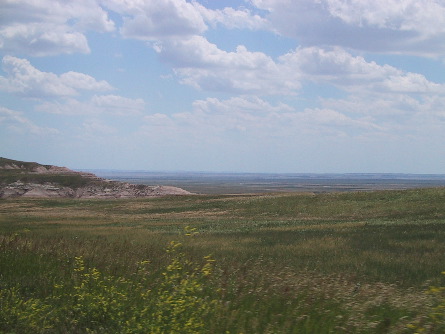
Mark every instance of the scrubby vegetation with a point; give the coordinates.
(25, 173)
(24, 165)
(72, 181)
(277, 263)
(90, 301)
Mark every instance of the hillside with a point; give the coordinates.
(345, 262)
(31, 179)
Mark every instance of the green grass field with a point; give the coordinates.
(357, 262)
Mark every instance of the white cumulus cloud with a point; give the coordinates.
(354, 73)
(24, 79)
(232, 18)
(153, 20)
(203, 65)
(42, 28)
(253, 118)
(392, 26)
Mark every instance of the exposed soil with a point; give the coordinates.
(35, 180)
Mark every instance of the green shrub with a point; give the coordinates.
(99, 303)
(434, 322)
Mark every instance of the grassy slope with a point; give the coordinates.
(27, 166)
(25, 175)
(271, 251)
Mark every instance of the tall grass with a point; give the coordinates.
(92, 302)
(334, 263)
(189, 296)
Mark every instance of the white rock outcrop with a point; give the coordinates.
(95, 187)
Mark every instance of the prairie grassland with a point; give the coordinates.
(280, 263)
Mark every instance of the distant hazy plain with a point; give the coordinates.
(238, 183)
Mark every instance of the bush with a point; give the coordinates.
(434, 322)
(98, 303)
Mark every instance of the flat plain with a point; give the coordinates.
(338, 262)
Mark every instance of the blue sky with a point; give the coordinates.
(244, 86)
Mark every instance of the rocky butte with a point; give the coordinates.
(31, 179)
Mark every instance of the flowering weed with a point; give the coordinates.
(97, 303)
(434, 321)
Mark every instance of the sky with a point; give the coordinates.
(274, 86)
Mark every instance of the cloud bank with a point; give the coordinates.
(273, 78)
